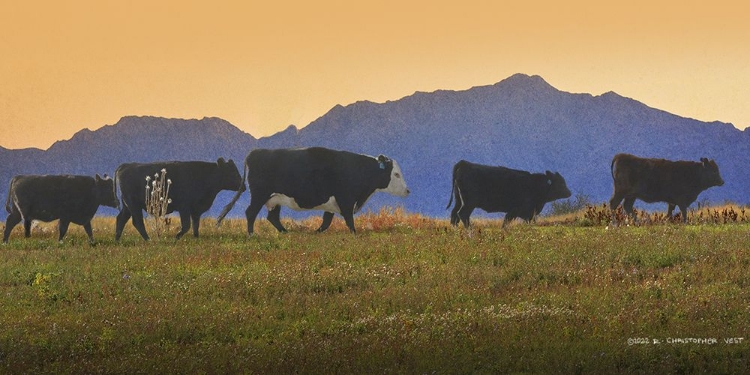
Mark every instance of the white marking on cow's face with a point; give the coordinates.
(397, 185)
(282, 200)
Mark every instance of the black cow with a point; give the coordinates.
(658, 180)
(499, 189)
(194, 186)
(72, 199)
(315, 178)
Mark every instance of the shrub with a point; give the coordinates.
(157, 201)
(570, 205)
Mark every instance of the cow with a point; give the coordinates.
(71, 199)
(658, 180)
(193, 188)
(499, 189)
(315, 178)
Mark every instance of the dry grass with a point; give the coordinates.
(602, 215)
(406, 294)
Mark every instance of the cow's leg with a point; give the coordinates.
(274, 217)
(27, 228)
(627, 205)
(528, 215)
(62, 226)
(252, 212)
(613, 203)
(13, 219)
(347, 211)
(89, 231)
(196, 218)
(509, 217)
(327, 219)
(531, 218)
(122, 219)
(464, 214)
(615, 200)
(184, 223)
(683, 210)
(138, 223)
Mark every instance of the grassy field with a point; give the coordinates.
(407, 294)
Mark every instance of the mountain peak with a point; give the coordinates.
(522, 81)
(291, 129)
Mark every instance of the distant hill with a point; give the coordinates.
(521, 122)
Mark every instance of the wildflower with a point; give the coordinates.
(164, 170)
(148, 178)
(169, 181)
(169, 200)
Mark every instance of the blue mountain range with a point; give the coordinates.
(521, 122)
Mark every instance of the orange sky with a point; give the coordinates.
(266, 65)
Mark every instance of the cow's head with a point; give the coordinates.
(558, 189)
(105, 192)
(396, 182)
(710, 173)
(229, 177)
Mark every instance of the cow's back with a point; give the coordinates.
(493, 188)
(655, 180)
(52, 197)
(628, 170)
(293, 171)
(313, 175)
(189, 180)
(644, 178)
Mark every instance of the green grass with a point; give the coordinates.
(406, 294)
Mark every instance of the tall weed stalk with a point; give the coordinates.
(157, 201)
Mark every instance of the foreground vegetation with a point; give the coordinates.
(407, 294)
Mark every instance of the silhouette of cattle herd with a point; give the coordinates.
(331, 181)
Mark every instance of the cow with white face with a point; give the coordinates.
(315, 178)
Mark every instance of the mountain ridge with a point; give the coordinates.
(521, 122)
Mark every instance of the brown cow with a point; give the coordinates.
(658, 180)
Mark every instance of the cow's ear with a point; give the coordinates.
(382, 159)
(220, 161)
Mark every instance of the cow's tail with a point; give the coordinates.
(114, 188)
(453, 185)
(453, 190)
(231, 203)
(612, 167)
(10, 194)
